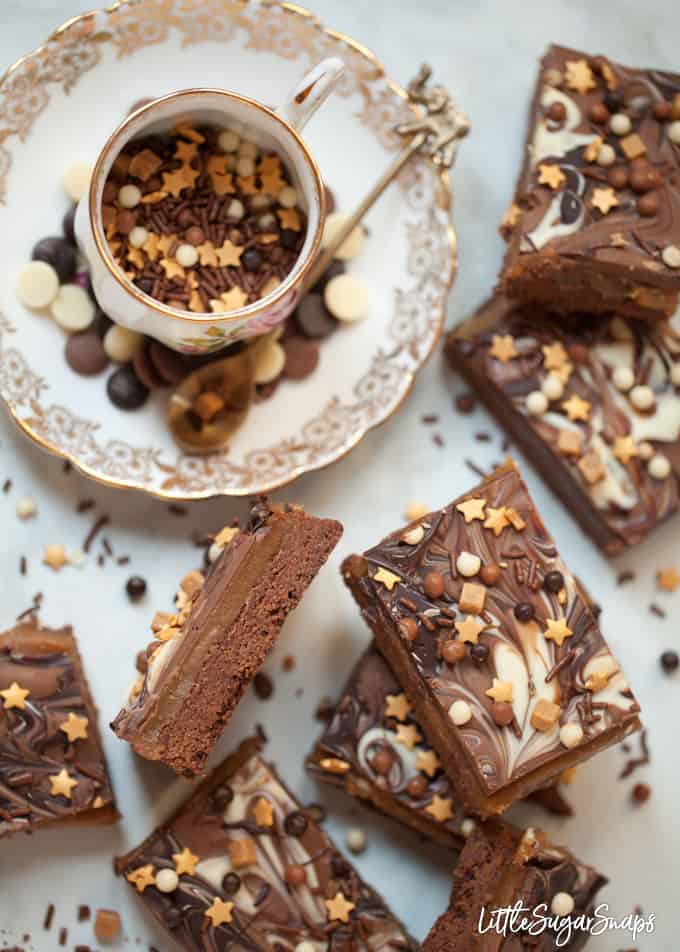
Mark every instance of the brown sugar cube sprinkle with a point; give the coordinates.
(242, 852)
(472, 598)
(633, 146)
(107, 925)
(591, 467)
(545, 715)
(569, 442)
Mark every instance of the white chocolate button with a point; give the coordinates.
(356, 841)
(186, 255)
(552, 387)
(288, 197)
(129, 196)
(675, 374)
(536, 403)
(562, 904)
(460, 713)
(269, 361)
(346, 298)
(571, 734)
(138, 236)
(73, 309)
(228, 140)
(248, 150)
(671, 256)
(659, 466)
(468, 564)
(352, 244)
(167, 880)
(606, 156)
(121, 344)
(468, 826)
(245, 167)
(76, 180)
(623, 379)
(236, 209)
(37, 284)
(673, 130)
(642, 397)
(620, 124)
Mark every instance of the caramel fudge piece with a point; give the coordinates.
(52, 766)
(494, 643)
(243, 865)
(595, 224)
(205, 655)
(501, 866)
(594, 405)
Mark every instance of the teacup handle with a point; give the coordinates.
(310, 91)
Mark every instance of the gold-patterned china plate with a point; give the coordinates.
(59, 104)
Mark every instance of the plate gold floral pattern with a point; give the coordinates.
(418, 284)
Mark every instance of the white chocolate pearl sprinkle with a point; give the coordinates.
(269, 361)
(552, 387)
(214, 552)
(73, 309)
(468, 564)
(571, 735)
(645, 451)
(623, 378)
(76, 180)
(673, 130)
(26, 507)
(167, 880)
(468, 826)
(138, 236)
(562, 904)
(671, 256)
(230, 162)
(536, 403)
(352, 244)
(642, 397)
(346, 298)
(37, 284)
(260, 201)
(248, 150)
(121, 344)
(675, 375)
(186, 255)
(413, 536)
(235, 209)
(129, 196)
(606, 156)
(659, 466)
(228, 140)
(460, 713)
(356, 841)
(265, 222)
(288, 197)
(245, 166)
(620, 124)
(305, 946)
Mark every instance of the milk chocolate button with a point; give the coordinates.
(302, 357)
(313, 317)
(125, 390)
(346, 298)
(168, 363)
(85, 353)
(58, 253)
(144, 368)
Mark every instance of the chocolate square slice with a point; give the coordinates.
(226, 622)
(594, 405)
(52, 766)
(375, 748)
(501, 867)
(494, 644)
(243, 865)
(595, 223)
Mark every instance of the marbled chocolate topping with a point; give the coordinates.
(34, 746)
(529, 636)
(257, 857)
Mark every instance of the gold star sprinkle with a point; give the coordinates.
(220, 912)
(428, 762)
(234, 299)
(185, 862)
(216, 165)
(269, 164)
(472, 509)
(187, 131)
(440, 808)
(503, 348)
(172, 268)
(387, 578)
(576, 408)
(150, 246)
(206, 254)
(196, 302)
(496, 519)
(62, 784)
(185, 151)
(666, 579)
(554, 356)
(272, 183)
(579, 76)
(14, 696)
(604, 199)
(174, 182)
(289, 218)
(165, 243)
(511, 216)
(229, 254)
(550, 175)
(625, 449)
(135, 257)
(55, 556)
(397, 706)
(264, 812)
(75, 727)
(408, 735)
(500, 691)
(247, 184)
(469, 630)
(597, 681)
(339, 908)
(142, 877)
(557, 630)
(223, 184)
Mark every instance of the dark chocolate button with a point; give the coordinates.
(302, 356)
(524, 611)
(252, 259)
(168, 363)
(101, 323)
(58, 253)
(231, 883)
(335, 268)
(289, 239)
(295, 823)
(135, 588)
(85, 353)
(145, 369)
(479, 653)
(313, 317)
(553, 582)
(125, 389)
(68, 225)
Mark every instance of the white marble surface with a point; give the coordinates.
(486, 53)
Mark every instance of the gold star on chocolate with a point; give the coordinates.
(554, 356)
(386, 578)
(233, 299)
(14, 696)
(62, 784)
(142, 877)
(264, 812)
(625, 449)
(220, 912)
(289, 218)
(75, 727)
(616, 240)
(550, 175)
(503, 348)
(579, 76)
(185, 862)
(397, 706)
(597, 681)
(496, 519)
(150, 246)
(469, 630)
(172, 268)
(557, 630)
(604, 199)
(428, 762)
(592, 150)
(185, 151)
(576, 408)
(441, 808)
(55, 556)
(338, 908)
(472, 509)
(223, 184)
(511, 216)
(206, 254)
(408, 735)
(666, 579)
(500, 691)
(229, 254)
(175, 182)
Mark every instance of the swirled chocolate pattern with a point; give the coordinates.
(494, 643)
(243, 865)
(595, 224)
(52, 766)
